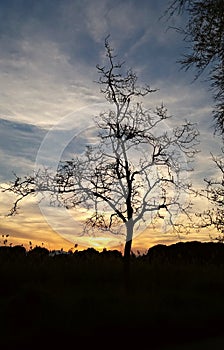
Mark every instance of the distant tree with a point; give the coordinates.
(135, 169)
(214, 192)
(38, 252)
(204, 34)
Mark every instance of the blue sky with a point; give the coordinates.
(48, 58)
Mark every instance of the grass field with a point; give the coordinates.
(83, 298)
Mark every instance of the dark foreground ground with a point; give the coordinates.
(175, 299)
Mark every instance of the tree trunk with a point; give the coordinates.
(129, 236)
(127, 253)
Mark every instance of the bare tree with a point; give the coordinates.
(137, 168)
(204, 34)
(214, 193)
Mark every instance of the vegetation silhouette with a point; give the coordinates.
(176, 291)
(203, 32)
(213, 192)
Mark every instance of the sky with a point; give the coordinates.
(49, 52)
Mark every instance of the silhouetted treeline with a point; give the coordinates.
(188, 253)
(193, 252)
(17, 252)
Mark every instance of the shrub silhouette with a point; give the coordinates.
(13, 252)
(188, 253)
(38, 251)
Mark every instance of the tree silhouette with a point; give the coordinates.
(204, 34)
(214, 192)
(137, 168)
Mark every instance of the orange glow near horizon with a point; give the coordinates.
(31, 226)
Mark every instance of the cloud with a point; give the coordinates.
(41, 86)
(19, 143)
